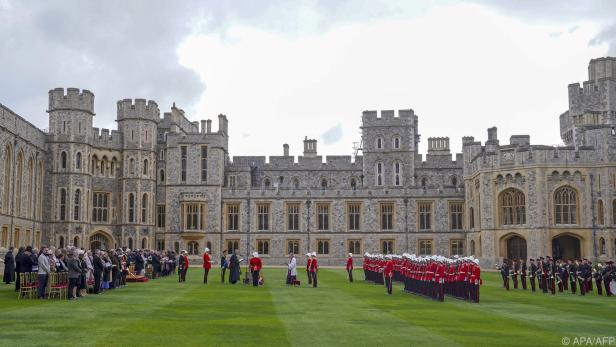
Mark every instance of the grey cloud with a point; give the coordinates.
(332, 135)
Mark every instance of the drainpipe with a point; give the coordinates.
(406, 222)
(594, 225)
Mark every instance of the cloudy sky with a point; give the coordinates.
(282, 70)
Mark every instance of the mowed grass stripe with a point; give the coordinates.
(327, 316)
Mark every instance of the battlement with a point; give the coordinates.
(138, 109)
(602, 68)
(73, 99)
(438, 145)
(106, 138)
(388, 117)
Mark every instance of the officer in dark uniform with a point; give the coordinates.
(524, 273)
(514, 273)
(504, 270)
(532, 274)
(573, 273)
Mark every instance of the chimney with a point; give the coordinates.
(208, 126)
(310, 147)
(285, 149)
(203, 127)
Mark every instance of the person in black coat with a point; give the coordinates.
(9, 266)
(139, 264)
(20, 254)
(99, 267)
(234, 268)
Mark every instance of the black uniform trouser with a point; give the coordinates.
(350, 271)
(97, 282)
(72, 283)
(222, 274)
(388, 284)
(205, 273)
(523, 282)
(309, 276)
(255, 278)
(314, 278)
(532, 283)
(573, 285)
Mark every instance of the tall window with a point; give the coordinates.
(425, 215)
(513, 207)
(355, 246)
(354, 213)
(131, 208)
(232, 181)
(397, 173)
(323, 183)
(233, 217)
(600, 212)
(30, 185)
(602, 248)
(145, 167)
(62, 204)
(193, 248)
(379, 174)
(565, 204)
(39, 193)
(232, 245)
(293, 246)
(161, 216)
(456, 213)
(263, 217)
(193, 216)
(131, 166)
(144, 244)
(63, 160)
(387, 216)
(8, 166)
(78, 161)
(100, 207)
(144, 208)
(614, 213)
(387, 246)
(18, 183)
(263, 246)
(161, 176)
(471, 218)
(183, 163)
(323, 216)
(396, 142)
(4, 239)
(293, 217)
(425, 247)
(77, 206)
(472, 247)
(203, 163)
(323, 246)
(379, 143)
(456, 247)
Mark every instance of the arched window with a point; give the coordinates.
(130, 242)
(61, 242)
(396, 142)
(131, 166)
(39, 193)
(600, 212)
(614, 212)
(193, 248)
(131, 208)
(8, 167)
(18, 183)
(93, 165)
(296, 183)
(454, 181)
(112, 167)
(145, 167)
(602, 248)
(103, 164)
(472, 247)
(30, 183)
(62, 204)
(512, 207)
(78, 161)
(77, 207)
(161, 176)
(323, 183)
(379, 174)
(471, 218)
(397, 173)
(144, 208)
(565, 206)
(267, 183)
(63, 160)
(76, 241)
(353, 183)
(424, 182)
(379, 143)
(144, 243)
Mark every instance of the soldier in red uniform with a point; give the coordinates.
(388, 273)
(475, 281)
(349, 267)
(207, 264)
(308, 261)
(255, 268)
(314, 268)
(439, 279)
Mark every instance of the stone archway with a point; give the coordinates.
(516, 247)
(100, 240)
(566, 247)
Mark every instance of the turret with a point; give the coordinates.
(139, 109)
(72, 100)
(70, 113)
(310, 147)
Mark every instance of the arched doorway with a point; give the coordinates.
(566, 247)
(516, 248)
(99, 241)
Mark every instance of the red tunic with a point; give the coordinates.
(313, 265)
(308, 264)
(349, 264)
(255, 264)
(389, 268)
(185, 260)
(206, 261)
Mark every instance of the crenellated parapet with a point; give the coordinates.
(389, 118)
(138, 109)
(72, 99)
(106, 138)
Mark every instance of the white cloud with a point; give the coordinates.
(462, 68)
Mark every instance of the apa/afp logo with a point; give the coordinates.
(589, 341)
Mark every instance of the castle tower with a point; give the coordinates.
(389, 146)
(70, 137)
(138, 121)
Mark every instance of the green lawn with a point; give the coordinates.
(164, 312)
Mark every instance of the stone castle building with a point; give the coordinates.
(169, 183)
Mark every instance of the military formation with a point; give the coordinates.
(432, 276)
(550, 275)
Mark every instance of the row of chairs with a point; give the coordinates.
(57, 285)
